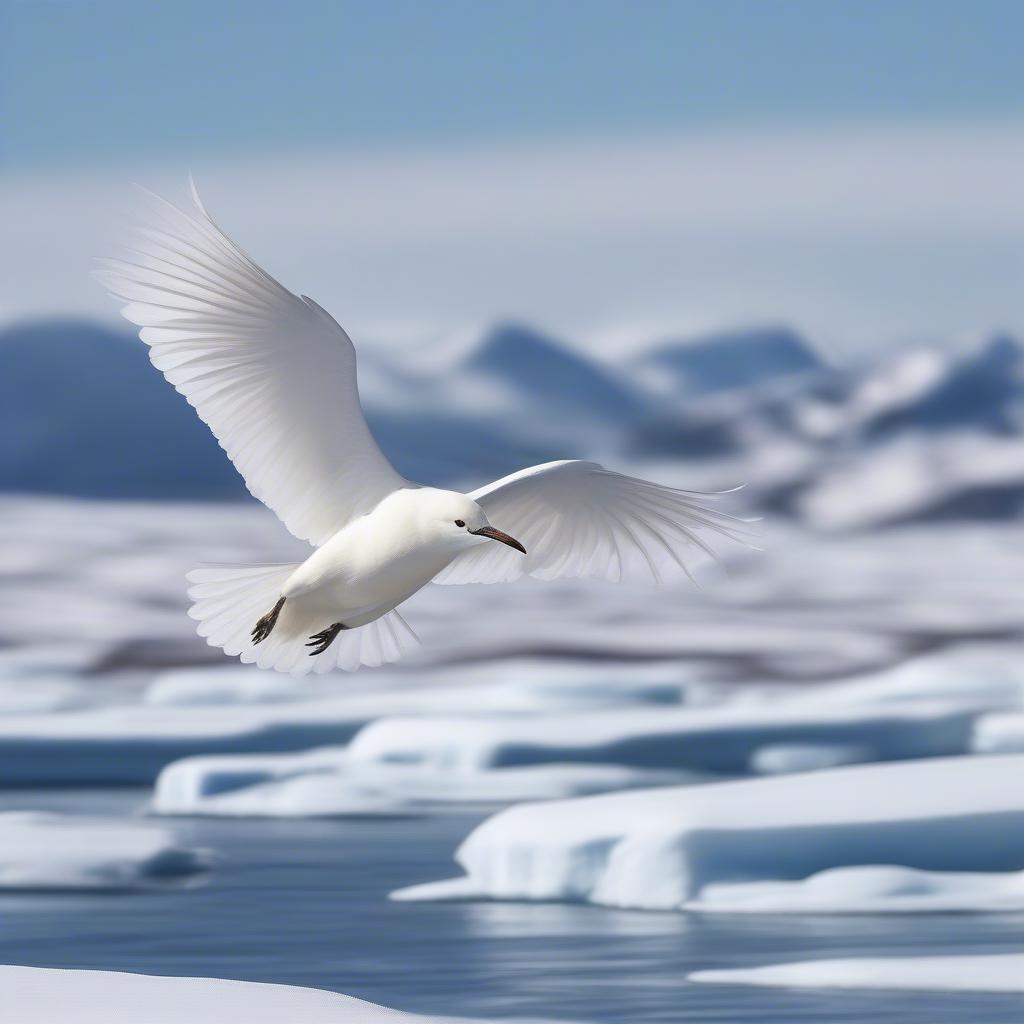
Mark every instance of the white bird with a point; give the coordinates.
(274, 377)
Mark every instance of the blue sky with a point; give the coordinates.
(95, 80)
(609, 170)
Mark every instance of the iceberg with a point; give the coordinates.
(993, 972)
(680, 847)
(40, 851)
(42, 995)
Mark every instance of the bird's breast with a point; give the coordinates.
(360, 571)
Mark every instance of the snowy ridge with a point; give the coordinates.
(919, 435)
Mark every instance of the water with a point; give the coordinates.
(304, 903)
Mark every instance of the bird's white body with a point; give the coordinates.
(274, 377)
(374, 563)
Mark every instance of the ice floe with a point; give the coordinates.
(868, 889)
(728, 739)
(993, 972)
(42, 694)
(1001, 732)
(227, 710)
(798, 662)
(41, 851)
(809, 607)
(130, 743)
(40, 995)
(231, 685)
(989, 674)
(661, 849)
(326, 783)
(781, 758)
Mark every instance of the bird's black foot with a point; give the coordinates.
(322, 640)
(263, 628)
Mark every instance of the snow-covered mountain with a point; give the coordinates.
(920, 433)
(83, 412)
(726, 360)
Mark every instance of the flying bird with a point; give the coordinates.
(273, 375)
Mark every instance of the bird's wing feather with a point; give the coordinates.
(580, 519)
(272, 374)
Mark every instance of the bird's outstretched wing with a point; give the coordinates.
(272, 374)
(580, 519)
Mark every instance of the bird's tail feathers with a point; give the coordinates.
(229, 599)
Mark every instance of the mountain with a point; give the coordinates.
(984, 390)
(920, 435)
(496, 398)
(548, 375)
(906, 436)
(729, 360)
(83, 412)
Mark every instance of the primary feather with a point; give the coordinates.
(580, 519)
(273, 375)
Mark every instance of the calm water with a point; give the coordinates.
(305, 903)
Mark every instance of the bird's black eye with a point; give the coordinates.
(459, 522)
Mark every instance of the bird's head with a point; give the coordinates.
(457, 519)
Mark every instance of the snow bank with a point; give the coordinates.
(661, 849)
(50, 851)
(718, 739)
(325, 783)
(38, 995)
(994, 972)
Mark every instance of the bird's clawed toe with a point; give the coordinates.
(265, 625)
(322, 640)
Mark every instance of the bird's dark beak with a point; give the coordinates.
(490, 531)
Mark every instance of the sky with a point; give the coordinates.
(608, 169)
